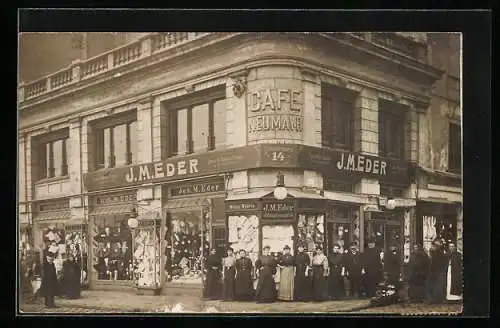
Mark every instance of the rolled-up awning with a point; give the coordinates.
(301, 194)
(346, 198)
(112, 210)
(251, 195)
(187, 203)
(53, 215)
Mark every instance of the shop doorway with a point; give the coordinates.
(385, 233)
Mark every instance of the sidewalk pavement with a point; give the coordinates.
(117, 301)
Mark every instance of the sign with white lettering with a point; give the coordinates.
(115, 199)
(276, 113)
(53, 206)
(197, 187)
(236, 206)
(278, 210)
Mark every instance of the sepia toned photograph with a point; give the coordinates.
(240, 172)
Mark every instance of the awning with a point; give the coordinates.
(437, 200)
(187, 203)
(112, 210)
(346, 198)
(251, 195)
(301, 194)
(53, 215)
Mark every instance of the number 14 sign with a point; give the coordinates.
(279, 156)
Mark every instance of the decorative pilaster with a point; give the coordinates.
(74, 155)
(144, 130)
(236, 90)
(312, 107)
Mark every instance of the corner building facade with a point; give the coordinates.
(191, 143)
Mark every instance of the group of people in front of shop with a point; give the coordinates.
(433, 278)
(66, 283)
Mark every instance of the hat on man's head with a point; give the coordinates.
(266, 247)
(286, 247)
(301, 244)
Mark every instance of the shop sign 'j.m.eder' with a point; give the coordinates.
(331, 163)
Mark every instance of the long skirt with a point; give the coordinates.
(266, 287)
(212, 287)
(228, 287)
(449, 295)
(302, 286)
(320, 285)
(286, 289)
(243, 286)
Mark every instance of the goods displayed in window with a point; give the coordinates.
(437, 227)
(54, 240)
(184, 245)
(244, 234)
(112, 242)
(147, 262)
(340, 235)
(311, 231)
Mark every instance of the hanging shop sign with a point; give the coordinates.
(241, 206)
(274, 110)
(197, 187)
(334, 164)
(278, 210)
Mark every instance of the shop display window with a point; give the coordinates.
(277, 237)
(441, 227)
(77, 246)
(244, 234)
(112, 243)
(311, 231)
(339, 234)
(147, 259)
(184, 258)
(53, 236)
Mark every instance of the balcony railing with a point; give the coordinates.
(149, 45)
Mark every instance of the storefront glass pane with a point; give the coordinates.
(311, 231)
(112, 253)
(183, 255)
(244, 234)
(147, 262)
(438, 227)
(339, 234)
(277, 237)
(220, 123)
(120, 144)
(53, 237)
(200, 128)
(77, 246)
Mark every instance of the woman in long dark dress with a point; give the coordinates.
(243, 284)
(436, 281)
(319, 276)
(454, 281)
(71, 278)
(301, 284)
(336, 289)
(266, 268)
(213, 275)
(228, 275)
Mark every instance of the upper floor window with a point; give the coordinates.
(455, 149)
(116, 141)
(337, 111)
(52, 154)
(391, 130)
(196, 123)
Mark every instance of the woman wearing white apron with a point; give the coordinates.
(454, 277)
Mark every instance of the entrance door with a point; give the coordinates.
(385, 234)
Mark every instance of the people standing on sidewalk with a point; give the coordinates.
(49, 286)
(212, 283)
(266, 269)
(71, 278)
(418, 269)
(319, 276)
(392, 266)
(436, 282)
(301, 284)
(353, 270)
(243, 284)
(373, 268)
(228, 275)
(287, 275)
(336, 289)
(454, 276)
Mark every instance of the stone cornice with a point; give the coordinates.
(257, 61)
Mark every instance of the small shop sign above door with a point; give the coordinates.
(197, 187)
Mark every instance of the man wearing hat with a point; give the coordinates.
(372, 266)
(49, 284)
(302, 283)
(353, 268)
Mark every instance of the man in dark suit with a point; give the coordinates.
(49, 281)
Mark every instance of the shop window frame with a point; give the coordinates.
(171, 109)
(46, 172)
(337, 103)
(391, 130)
(99, 126)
